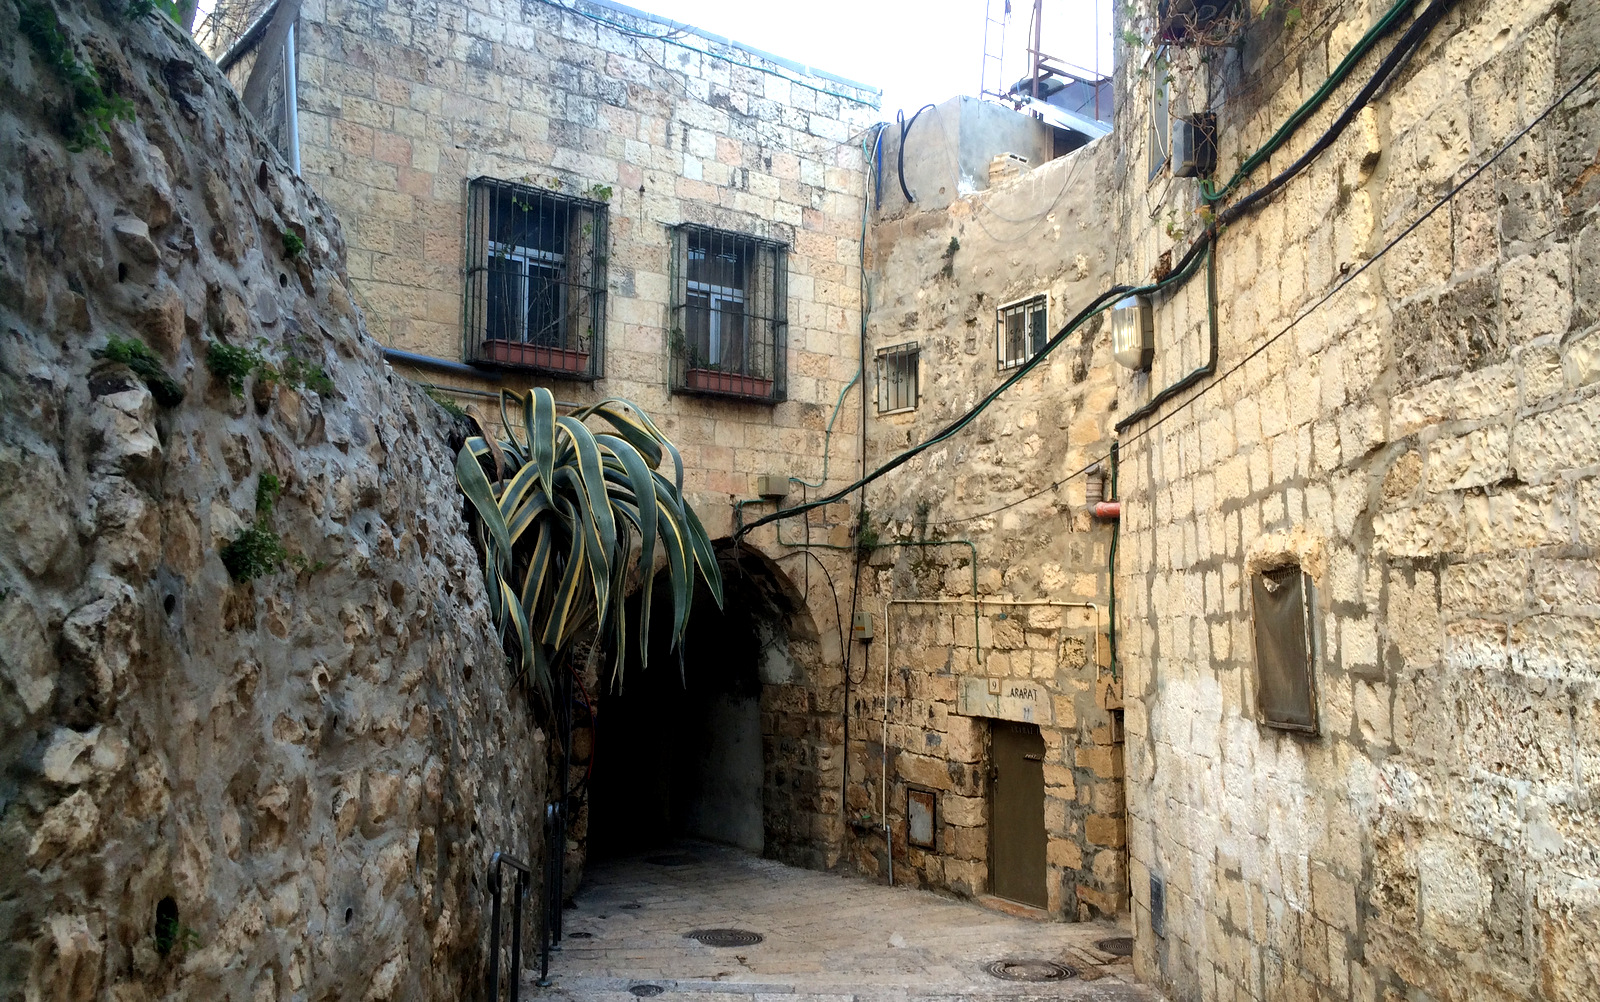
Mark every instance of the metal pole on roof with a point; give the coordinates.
(1038, 33)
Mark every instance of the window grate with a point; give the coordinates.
(536, 280)
(729, 315)
(1022, 329)
(897, 378)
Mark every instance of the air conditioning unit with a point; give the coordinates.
(1133, 332)
(1194, 145)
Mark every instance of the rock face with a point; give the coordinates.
(287, 787)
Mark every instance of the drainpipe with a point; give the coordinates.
(291, 75)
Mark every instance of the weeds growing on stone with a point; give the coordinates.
(451, 408)
(293, 246)
(234, 364)
(137, 356)
(86, 120)
(258, 550)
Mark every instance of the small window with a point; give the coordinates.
(536, 280)
(1286, 692)
(729, 315)
(1160, 146)
(1023, 330)
(897, 378)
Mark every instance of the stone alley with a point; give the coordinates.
(825, 937)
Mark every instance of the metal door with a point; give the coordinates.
(1016, 828)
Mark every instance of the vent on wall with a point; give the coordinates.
(1286, 693)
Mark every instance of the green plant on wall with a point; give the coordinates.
(233, 364)
(258, 550)
(87, 117)
(137, 356)
(562, 509)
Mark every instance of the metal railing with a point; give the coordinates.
(496, 880)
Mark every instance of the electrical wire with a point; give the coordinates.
(1180, 273)
(1256, 352)
(905, 130)
(829, 578)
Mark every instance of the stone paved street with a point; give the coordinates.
(827, 936)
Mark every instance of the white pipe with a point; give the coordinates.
(291, 74)
(883, 783)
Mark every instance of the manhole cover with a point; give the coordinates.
(1030, 970)
(580, 935)
(646, 991)
(669, 861)
(1117, 946)
(725, 937)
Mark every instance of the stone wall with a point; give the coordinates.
(1423, 446)
(283, 788)
(937, 278)
(401, 105)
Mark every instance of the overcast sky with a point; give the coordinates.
(918, 51)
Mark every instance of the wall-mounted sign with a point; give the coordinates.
(1020, 699)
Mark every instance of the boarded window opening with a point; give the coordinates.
(1285, 686)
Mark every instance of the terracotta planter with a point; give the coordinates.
(731, 383)
(535, 356)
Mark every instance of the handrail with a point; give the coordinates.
(524, 877)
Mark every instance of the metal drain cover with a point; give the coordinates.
(1117, 946)
(669, 861)
(1029, 970)
(725, 937)
(646, 991)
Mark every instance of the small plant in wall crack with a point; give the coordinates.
(293, 246)
(137, 356)
(234, 364)
(258, 550)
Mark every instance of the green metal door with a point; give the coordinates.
(1016, 825)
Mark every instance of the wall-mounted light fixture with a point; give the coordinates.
(1133, 335)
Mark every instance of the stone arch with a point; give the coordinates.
(735, 746)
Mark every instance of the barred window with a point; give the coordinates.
(729, 315)
(897, 378)
(1022, 329)
(536, 280)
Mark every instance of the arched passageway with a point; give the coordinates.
(719, 750)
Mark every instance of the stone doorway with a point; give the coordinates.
(725, 747)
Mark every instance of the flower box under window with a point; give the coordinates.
(729, 315)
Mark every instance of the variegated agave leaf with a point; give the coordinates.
(563, 508)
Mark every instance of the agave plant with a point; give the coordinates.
(562, 507)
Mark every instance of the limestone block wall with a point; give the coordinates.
(285, 788)
(402, 104)
(1422, 445)
(937, 278)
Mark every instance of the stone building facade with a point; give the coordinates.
(1413, 429)
(991, 616)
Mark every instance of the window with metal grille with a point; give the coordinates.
(536, 280)
(729, 314)
(897, 378)
(1023, 329)
(1286, 692)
